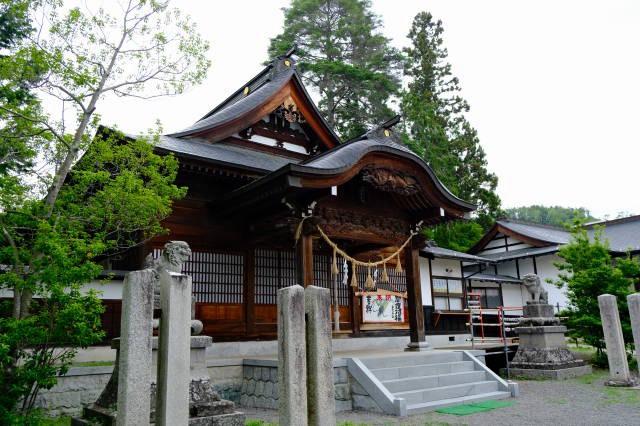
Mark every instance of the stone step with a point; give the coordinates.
(409, 360)
(434, 405)
(428, 382)
(447, 392)
(391, 373)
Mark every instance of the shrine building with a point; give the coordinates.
(275, 198)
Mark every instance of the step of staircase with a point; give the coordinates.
(412, 360)
(391, 373)
(434, 405)
(447, 392)
(427, 381)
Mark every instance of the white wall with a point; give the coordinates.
(108, 290)
(513, 296)
(425, 282)
(441, 268)
(446, 268)
(547, 269)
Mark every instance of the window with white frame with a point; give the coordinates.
(448, 294)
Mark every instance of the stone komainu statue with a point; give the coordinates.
(535, 288)
(175, 253)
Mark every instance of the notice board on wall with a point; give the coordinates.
(383, 306)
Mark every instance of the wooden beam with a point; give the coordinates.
(414, 294)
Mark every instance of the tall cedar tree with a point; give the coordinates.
(17, 73)
(436, 127)
(342, 53)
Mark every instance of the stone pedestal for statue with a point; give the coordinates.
(543, 352)
(205, 405)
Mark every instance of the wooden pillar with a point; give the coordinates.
(305, 260)
(414, 299)
(355, 304)
(249, 293)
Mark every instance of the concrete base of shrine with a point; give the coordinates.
(418, 347)
(558, 374)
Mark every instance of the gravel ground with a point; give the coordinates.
(581, 401)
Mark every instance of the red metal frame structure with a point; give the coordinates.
(475, 310)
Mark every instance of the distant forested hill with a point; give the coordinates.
(552, 215)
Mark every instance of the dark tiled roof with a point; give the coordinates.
(347, 154)
(481, 276)
(344, 156)
(623, 234)
(443, 253)
(546, 233)
(237, 105)
(520, 253)
(224, 154)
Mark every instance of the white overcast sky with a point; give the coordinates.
(554, 87)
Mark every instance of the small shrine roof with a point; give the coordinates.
(488, 277)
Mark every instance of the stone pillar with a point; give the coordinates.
(616, 354)
(633, 301)
(292, 357)
(172, 406)
(320, 390)
(134, 366)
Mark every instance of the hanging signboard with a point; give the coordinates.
(382, 306)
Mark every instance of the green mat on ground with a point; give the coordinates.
(477, 407)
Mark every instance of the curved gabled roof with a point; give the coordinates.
(236, 106)
(381, 139)
(338, 164)
(258, 97)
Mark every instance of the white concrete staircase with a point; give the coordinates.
(425, 381)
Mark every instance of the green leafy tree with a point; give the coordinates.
(552, 215)
(343, 55)
(147, 50)
(436, 127)
(113, 199)
(460, 236)
(61, 216)
(588, 271)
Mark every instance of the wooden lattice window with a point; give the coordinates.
(275, 269)
(216, 277)
(323, 277)
(397, 280)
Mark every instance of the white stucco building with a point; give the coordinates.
(491, 273)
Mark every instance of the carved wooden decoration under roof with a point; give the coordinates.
(390, 180)
(284, 125)
(348, 222)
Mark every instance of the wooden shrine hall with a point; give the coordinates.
(276, 199)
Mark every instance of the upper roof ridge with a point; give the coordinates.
(616, 221)
(529, 223)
